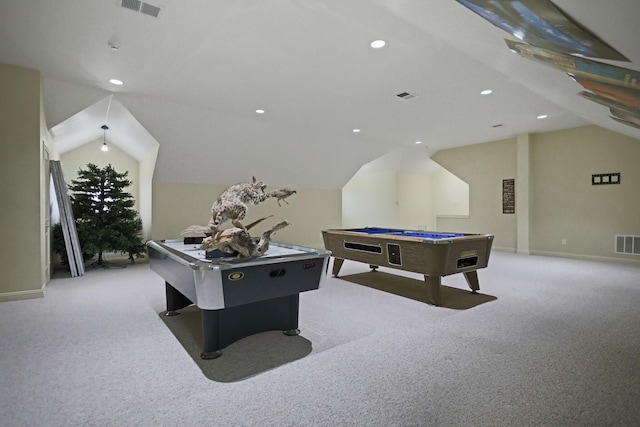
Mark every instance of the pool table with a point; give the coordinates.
(237, 297)
(433, 254)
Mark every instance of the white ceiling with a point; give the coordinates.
(194, 76)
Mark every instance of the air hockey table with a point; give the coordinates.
(433, 254)
(237, 297)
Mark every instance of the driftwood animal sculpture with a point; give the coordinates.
(232, 204)
(282, 194)
(238, 240)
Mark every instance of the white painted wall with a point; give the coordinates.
(388, 199)
(22, 195)
(450, 195)
(369, 200)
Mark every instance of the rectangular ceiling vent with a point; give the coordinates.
(142, 7)
(132, 4)
(406, 95)
(149, 9)
(628, 245)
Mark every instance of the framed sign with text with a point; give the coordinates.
(508, 196)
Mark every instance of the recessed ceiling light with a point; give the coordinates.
(519, 35)
(418, 142)
(260, 111)
(356, 130)
(377, 44)
(543, 116)
(486, 92)
(116, 82)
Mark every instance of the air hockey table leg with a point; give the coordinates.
(175, 300)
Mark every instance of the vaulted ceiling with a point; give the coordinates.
(195, 74)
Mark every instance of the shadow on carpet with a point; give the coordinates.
(458, 299)
(242, 359)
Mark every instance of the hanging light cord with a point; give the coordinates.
(104, 137)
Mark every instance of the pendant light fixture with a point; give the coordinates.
(104, 138)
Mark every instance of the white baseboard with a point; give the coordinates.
(585, 257)
(20, 295)
(567, 255)
(503, 249)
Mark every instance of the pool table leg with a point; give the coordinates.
(337, 263)
(433, 289)
(472, 280)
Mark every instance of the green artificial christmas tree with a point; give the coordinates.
(105, 218)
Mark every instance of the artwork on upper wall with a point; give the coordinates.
(614, 87)
(625, 118)
(621, 95)
(622, 113)
(554, 39)
(579, 67)
(541, 23)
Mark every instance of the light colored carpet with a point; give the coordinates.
(549, 342)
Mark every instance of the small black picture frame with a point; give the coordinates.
(605, 178)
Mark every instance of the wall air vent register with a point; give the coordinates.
(627, 244)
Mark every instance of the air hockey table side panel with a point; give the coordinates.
(216, 286)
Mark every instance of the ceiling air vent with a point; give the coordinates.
(406, 95)
(139, 6)
(132, 4)
(149, 9)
